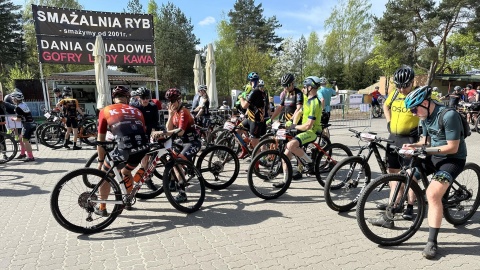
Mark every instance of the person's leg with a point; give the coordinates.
(75, 134)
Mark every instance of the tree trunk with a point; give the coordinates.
(431, 72)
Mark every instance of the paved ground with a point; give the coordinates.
(233, 230)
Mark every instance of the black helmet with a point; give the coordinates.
(121, 91)
(143, 92)
(67, 91)
(17, 95)
(457, 88)
(403, 77)
(56, 90)
(173, 94)
(287, 79)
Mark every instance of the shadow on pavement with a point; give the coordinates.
(34, 171)
(24, 189)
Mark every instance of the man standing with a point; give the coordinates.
(325, 96)
(70, 108)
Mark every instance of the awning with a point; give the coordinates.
(458, 77)
(89, 75)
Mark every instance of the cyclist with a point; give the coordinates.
(224, 106)
(180, 119)
(447, 164)
(3, 112)
(375, 95)
(134, 99)
(70, 108)
(128, 126)
(57, 95)
(291, 102)
(150, 115)
(25, 115)
(471, 93)
(436, 95)
(252, 79)
(325, 96)
(257, 110)
(202, 111)
(403, 128)
(311, 123)
(454, 96)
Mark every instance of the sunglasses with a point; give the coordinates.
(414, 110)
(285, 85)
(402, 85)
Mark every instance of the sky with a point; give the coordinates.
(297, 17)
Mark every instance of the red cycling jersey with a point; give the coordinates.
(183, 119)
(126, 123)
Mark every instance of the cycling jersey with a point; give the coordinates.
(70, 106)
(24, 112)
(205, 104)
(258, 107)
(127, 125)
(326, 94)
(150, 115)
(157, 103)
(183, 119)
(290, 102)
(312, 109)
(402, 121)
(375, 94)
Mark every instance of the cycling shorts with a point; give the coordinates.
(325, 118)
(72, 122)
(132, 158)
(375, 102)
(394, 160)
(306, 137)
(28, 129)
(191, 149)
(257, 129)
(445, 169)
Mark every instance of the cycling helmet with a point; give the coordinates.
(173, 94)
(143, 92)
(323, 81)
(417, 96)
(17, 95)
(17, 90)
(252, 76)
(133, 93)
(202, 87)
(56, 90)
(312, 81)
(67, 91)
(435, 89)
(224, 102)
(120, 91)
(469, 86)
(287, 79)
(261, 83)
(457, 88)
(403, 76)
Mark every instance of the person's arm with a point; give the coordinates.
(156, 118)
(277, 111)
(79, 110)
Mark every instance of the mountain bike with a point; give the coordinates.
(347, 180)
(8, 147)
(266, 166)
(460, 202)
(73, 203)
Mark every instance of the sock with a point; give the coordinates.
(75, 144)
(432, 234)
(306, 158)
(29, 154)
(102, 206)
(409, 206)
(128, 183)
(22, 148)
(138, 175)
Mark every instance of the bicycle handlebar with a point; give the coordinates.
(376, 138)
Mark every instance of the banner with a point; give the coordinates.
(63, 50)
(67, 36)
(82, 23)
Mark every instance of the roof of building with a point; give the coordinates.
(89, 75)
(458, 77)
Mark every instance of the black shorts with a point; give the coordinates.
(325, 118)
(28, 129)
(190, 149)
(132, 158)
(257, 129)
(72, 122)
(444, 168)
(375, 102)
(394, 160)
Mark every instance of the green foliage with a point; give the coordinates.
(12, 49)
(463, 52)
(18, 73)
(385, 58)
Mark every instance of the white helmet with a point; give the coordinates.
(435, 89)
(261, 83)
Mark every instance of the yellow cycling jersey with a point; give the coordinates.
(402, 120)
(435, 97)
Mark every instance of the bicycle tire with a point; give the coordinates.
(217, 167)
(212, 137)
(341, 192)
(366, 204)
(11, 147)
(264, 188)
(231, 143)
(64, 212)
(89, 134)
(325, 163)
(376, 111)
(477, 123)
(53, 135)
(454, 213)
(195, 177)
(38, 131)
(270, 142)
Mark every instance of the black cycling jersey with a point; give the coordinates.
(290, 102)
(24, 112)
(258, 105)
(150, 115)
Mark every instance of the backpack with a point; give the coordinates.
(466, 127)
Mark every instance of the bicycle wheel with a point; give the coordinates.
(390, 228)
(70, 202)
(376, 111)
(345, 183)
(325, 161)
(269, 164)
(53, 135)
(212, 137)
(231, 143)
(477, 123)
(266, 144)
(38, 131)
(189, 180)
(8, 147)
(464, 196)
(220, 165)
(89, 134)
